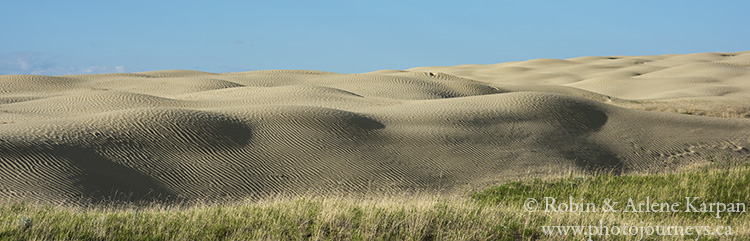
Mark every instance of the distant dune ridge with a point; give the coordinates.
(197, 135)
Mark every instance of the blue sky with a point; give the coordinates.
(73, 37)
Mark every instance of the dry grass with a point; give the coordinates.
(493, 214)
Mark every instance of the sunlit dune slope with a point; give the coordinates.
(190, 134)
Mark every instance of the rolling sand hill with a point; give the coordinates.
(189, 134)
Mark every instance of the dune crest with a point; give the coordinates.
(179, 134)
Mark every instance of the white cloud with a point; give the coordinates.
(41, 64)
(94, 69)
(21, 63)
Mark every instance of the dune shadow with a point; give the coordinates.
(592, 157)
(573, 143)
(367, 123)
(584, 119)
(105, 180)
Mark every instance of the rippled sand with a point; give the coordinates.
(189, 134)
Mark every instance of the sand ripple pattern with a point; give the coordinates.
(180, 134)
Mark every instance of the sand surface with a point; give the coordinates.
(189, 134)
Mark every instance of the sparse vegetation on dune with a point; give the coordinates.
(496, 213)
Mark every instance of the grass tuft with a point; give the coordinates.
(496, 213)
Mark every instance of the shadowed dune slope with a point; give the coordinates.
(196, 135)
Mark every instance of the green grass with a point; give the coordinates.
(729, 184)
(496, 213)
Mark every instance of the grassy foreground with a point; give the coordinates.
(497, 213)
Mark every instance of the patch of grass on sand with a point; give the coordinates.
(497, 213)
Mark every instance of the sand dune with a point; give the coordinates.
(190, 134)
